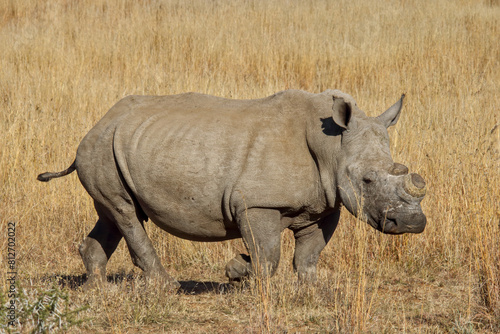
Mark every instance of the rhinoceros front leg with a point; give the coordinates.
(239, 267)
(261, 233)
(309, 242)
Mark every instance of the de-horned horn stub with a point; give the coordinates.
(414, 185)
(398, 169)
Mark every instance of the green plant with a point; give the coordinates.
(41, 311)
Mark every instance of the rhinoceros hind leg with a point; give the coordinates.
(97, 248)
(141, 249)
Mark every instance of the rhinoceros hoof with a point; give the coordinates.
(240, 283)
(94, 282)
(238, 268)
(163, 280)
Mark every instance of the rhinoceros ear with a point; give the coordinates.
(391, 115)
(342, 112)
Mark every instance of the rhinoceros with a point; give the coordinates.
(206, 168)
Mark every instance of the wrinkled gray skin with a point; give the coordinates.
(206, 168)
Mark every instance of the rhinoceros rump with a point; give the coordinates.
(206, 168)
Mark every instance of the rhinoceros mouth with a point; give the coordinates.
(389, 226)
(393, 226)
(397, 222)
(385, 225)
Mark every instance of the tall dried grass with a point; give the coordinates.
(64, 63)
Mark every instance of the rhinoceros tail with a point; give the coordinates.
(46, 177)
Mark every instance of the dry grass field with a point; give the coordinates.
(64, 63)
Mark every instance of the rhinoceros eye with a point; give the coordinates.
(370, 177)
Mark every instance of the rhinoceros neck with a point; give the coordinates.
(326, 166)
(324, 142)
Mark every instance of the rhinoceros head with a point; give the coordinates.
(371, 186)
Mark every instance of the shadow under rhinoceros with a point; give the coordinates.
(197, 288)
(74, 282)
